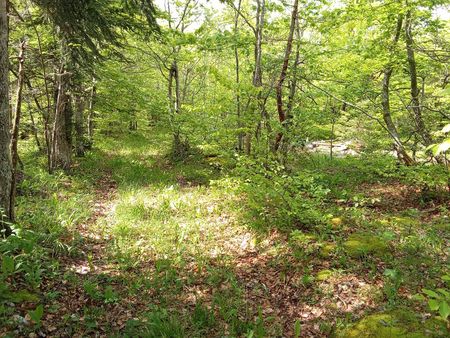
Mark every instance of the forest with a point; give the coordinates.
(225, 168)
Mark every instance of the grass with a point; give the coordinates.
(131, 244)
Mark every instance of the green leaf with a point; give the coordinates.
(444, 309)
(418, 296)
(430, 293)
(7, 265)
(433, 304)
(297, 329)
(444, 292)
(36, 314)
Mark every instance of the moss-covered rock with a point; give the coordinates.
(360, 244)
(323, 275)
(300, 237)
(336, 222)
(327, 249)
(377, 325)
(395, 324)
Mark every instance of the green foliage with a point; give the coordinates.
(439, 300)
(36, 315)
(279, 198)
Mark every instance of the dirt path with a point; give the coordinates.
(70, 288)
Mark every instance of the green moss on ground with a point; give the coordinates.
(360, 244)
(395, 324)
(327, 250)
(323, 275)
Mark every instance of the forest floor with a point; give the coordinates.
(159, 249)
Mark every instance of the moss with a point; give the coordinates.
(359, 244)
(327, 250)
(336, 222)
(302, 238)
(406, 221)
(381, 325)
(396, 324)
(323, 275)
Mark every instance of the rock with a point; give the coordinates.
(360, 244)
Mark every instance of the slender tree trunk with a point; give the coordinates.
(387, 117)
(90, 119)
(5, 136)
(35, 131)
(68, 118)
(257, 72)
(293, 81)
(79, 126)
(292, 90)
(237, 68)
(279, 86)
(260, 15)
(15, 128)
(180, 147)
(176, 75)
(46, 114)
(415, 102)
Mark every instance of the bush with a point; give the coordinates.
(279, 198)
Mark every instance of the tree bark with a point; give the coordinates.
(15, 128)
(60, 147)
(5, 136)
(385, 102)
(79, 126)
(240, 144)
(279, 86)
(90, 119)
(415, 102)
(260, 14)
(180, 147)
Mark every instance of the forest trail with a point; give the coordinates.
(169, 240)
(173, 249)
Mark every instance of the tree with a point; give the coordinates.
(279, 87)
(5, 135)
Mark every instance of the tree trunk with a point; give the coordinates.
(415, 102)
(180, 147)
(387, 117)
(15, 128)
(79, 126)
(68, 119)
(260, 14)
(45, 114)
(5, 136)
(90, 119)
(35, 131)
(240, 144)
(279, 87)
(60, 147)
